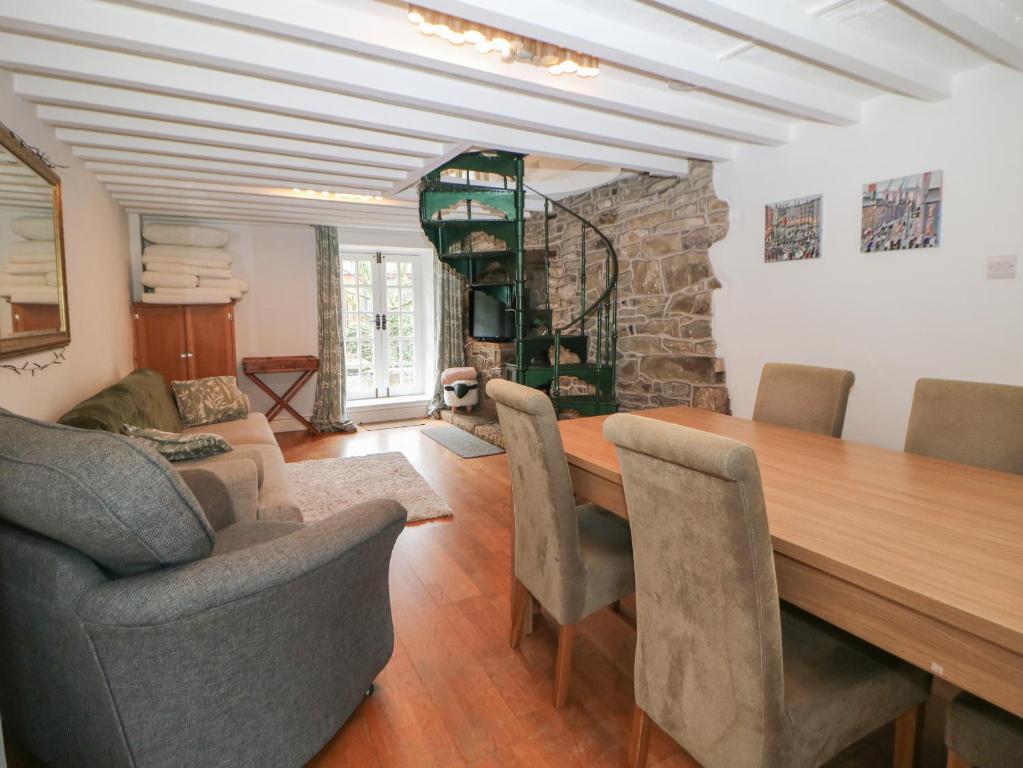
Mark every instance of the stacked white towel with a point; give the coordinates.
(188, 265)
(30, 276)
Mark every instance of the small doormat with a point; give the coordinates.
(459, 441)
(376, 425)
(327, 486)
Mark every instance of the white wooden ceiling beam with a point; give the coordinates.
(21, 193)
(105, 129)
(234, 161)
(94, 22)
(51, 90)
(220, 179)
(275, 176)
(382, 31)
(784, 26)
(201, 96)
(380, 220)
(305, 206)
(409, 212)
(136, 183)
(584, 28)
(994, 29)
(261, 218)
(265, 211)
(211, 214)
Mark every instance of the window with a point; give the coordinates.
(384, 320)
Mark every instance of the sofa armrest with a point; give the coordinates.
(354, 541)
(251, 452)
(228, 491)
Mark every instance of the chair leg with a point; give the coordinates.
(563, 666)
(640, 741)
(520, 603)
(954, 761)
(908, 728)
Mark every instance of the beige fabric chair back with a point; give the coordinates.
(547, 556)
(969, 422)
(804, 397)
(709, 651)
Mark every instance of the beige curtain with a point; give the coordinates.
(449, 291)
(329, 410)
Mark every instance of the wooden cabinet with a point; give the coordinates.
(185, 341)
(35, 317)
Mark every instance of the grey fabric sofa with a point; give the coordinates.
(135, 633)
(143, 399)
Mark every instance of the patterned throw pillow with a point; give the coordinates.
(177, 447)
(207, 401)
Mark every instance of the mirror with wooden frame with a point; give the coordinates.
(33, 282)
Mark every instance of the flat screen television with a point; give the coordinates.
(489, 318)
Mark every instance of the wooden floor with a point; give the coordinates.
(455, 694)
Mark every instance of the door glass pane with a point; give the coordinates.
(357, 317)
(399, 290)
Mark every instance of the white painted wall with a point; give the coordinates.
(890, 317)
(96, 245)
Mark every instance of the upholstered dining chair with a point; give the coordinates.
(981, 425)
(574, 560)
(968, 422)
(737, 680)
(980, 735)
(804, 397)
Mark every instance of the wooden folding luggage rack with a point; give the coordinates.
(304, 365)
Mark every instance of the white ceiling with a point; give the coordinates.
(252, 109)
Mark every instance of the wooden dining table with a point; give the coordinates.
(918, 556)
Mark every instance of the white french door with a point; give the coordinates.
(383, 317)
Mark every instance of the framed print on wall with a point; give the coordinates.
(792, 229)
(902, 213)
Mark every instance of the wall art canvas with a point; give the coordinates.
(902, 213)
(792, 229)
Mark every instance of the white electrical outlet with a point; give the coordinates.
(1001, 267)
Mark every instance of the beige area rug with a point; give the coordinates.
(326, 486)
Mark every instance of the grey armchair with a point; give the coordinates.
(134, 634)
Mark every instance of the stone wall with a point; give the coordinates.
(662, 229)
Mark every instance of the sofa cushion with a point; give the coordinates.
(209, 400)
(249, 533)
(254, 429)
(177, 446)
(140, 398)
(103, 494)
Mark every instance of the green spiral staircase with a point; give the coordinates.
(479, 199)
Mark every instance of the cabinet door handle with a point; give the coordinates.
(184, 355)
(188, 354)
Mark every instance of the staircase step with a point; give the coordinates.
(534, 256)
(533, 345)
(448, 235)
(587, 405)
(437, 196)
(542, 375)
(503, 163)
